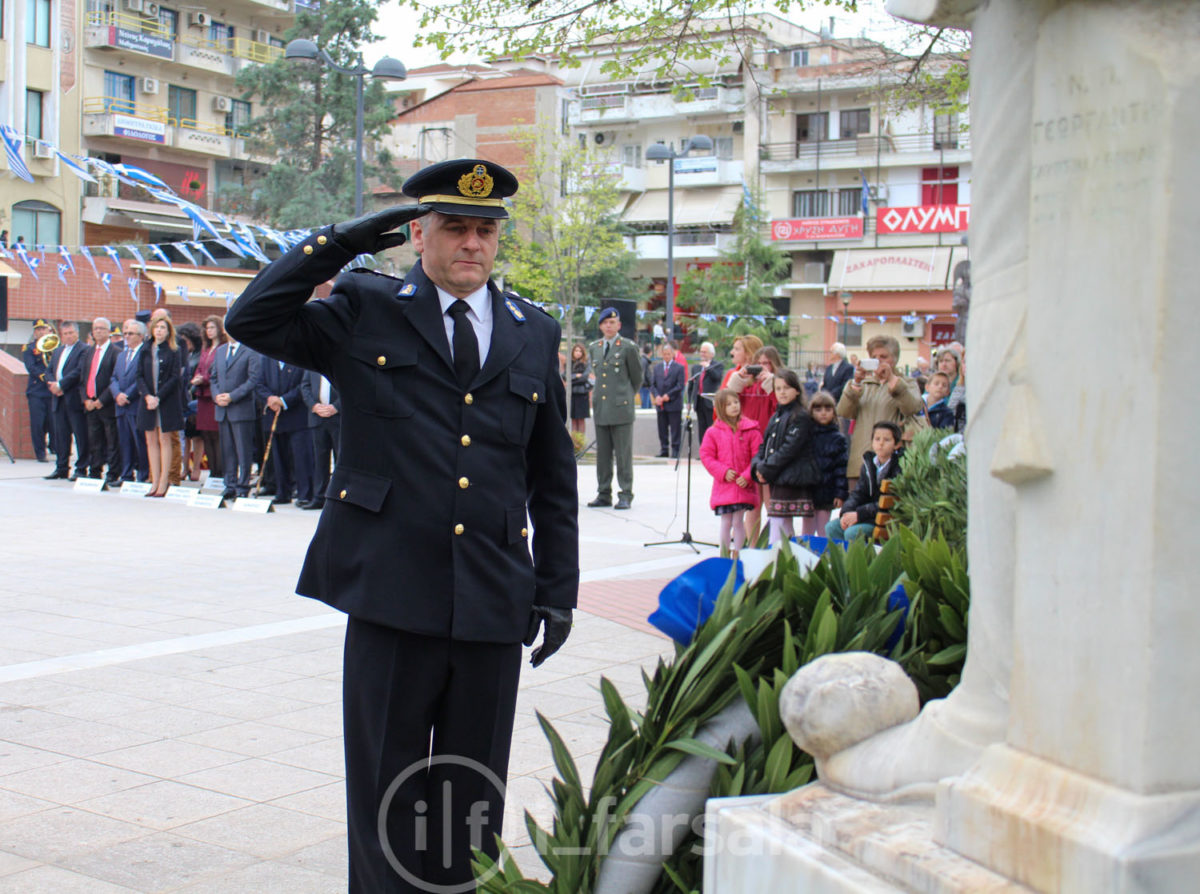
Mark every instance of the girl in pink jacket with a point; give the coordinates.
(729, 446)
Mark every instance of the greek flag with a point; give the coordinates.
(199, 246)
(12, 149)
(182, 248)
(62, 273)
(140, 177)
(66, 256)
(75, 166)
(132, 249)
(105, 279)
(866, 192)
(157, 292)
(182, 292)
(161, 254)
(83, 250)
(133, 283)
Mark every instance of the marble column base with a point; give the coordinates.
(816, 841)
(1058, 830)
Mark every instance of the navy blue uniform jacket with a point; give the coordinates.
(424, 527)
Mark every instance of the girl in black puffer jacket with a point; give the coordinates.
(785, 460)
(832, 451)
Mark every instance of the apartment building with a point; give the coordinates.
(158, 93)
(807, 127)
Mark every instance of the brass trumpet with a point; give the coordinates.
(47, 343)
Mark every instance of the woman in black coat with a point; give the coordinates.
(160, 414)
(785, 460)
(581, 386)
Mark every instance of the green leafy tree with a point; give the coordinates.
(741, 283)
(305, 123)
(565, 236)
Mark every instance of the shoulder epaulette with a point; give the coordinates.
(525, 302)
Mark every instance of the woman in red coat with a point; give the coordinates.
(728, 448)
(757, 396)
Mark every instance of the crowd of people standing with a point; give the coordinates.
(149, 402)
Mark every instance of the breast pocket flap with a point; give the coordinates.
(364, 489)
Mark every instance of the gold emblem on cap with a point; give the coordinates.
(477, 184)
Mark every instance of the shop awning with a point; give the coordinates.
(694, 207)
(890, 269)
(14, 278)
(201, 288)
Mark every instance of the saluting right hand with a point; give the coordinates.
(371, 234)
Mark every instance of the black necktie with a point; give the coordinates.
(607, 345)
(466, 348)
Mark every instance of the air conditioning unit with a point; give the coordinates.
(199, 19)
(814, 272)
(150, 10)
(605, 137)
(261, 36)
(913, 327)
(42, 150)
(133, 5)
(879, 193)
(149, 85)
(222, 104)
(739, 126)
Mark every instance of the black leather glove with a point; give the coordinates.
(370, 234)
(557, 627)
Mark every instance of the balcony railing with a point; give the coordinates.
(866, 145)
(237, 47)
(103, 105)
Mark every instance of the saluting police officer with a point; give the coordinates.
(453, 439)
(37, 391)
(618, 367)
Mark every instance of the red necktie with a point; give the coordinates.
(91, 389)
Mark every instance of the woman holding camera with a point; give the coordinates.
(877, 393)
(752, 379)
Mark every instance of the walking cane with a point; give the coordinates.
(266, 456)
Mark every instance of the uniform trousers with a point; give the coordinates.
(41, 424)
(428, 727)
(614, 442)
(325, 436)
(292, 457)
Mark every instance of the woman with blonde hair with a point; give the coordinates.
(160, 414)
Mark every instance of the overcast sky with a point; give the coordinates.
(394, 20)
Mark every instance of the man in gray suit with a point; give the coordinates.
(618, 366)
(325, 423)
(235, 374)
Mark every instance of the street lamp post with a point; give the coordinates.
(386, 68)
(662, 152)
(845, 296)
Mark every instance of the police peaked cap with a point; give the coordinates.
(470, 187)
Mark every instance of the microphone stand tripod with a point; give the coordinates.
(686, 538)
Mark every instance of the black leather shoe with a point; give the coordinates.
(600, 502)
(313, 504)
(662, 454)
(229, 495)
(623, 504)
(72, 476)
(113, 482)
(280, 500)
(55, 474)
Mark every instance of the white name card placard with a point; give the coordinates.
(135, 488)
(248, 504)
(89, 485)
(205, 501)
(180, 494)
(213, 485)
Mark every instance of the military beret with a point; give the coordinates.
(609, 312)
(466, 186)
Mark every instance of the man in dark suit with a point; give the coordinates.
(453, 433)
(99, 406)
(837, 373)
(325, 425)
(37, 393)
(706, 380)
(234, 376)
(135, 465)
(67, 404)
(666, 393)
(291, 446)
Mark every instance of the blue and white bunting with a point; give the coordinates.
(141, 177)
(132, 249)
(199, 246)
(157, 291)
(588, 313)
(182, 248)
(133, 284)
(75, 166)
(12, 149)
(112, 253)
(83, 250)
(66, 256)
(182, 292)
(62, 273)
(162, 255)
(105, 279)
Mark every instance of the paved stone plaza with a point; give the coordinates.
(170, 712)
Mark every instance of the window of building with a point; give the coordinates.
(945, 131)
(237, 120)
(849, 201)
(181, 104)
(37, 22)
(939, 186)
(724, 147)
(118, 92)
(850, 333)
(799, 58)
(40, 223)
(812, 126)
(854, 123)
(810, 203)
(34, 104)
(631, 155)
(219, 32)
(168, 20)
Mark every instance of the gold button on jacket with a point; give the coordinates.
(466, 440)
(464, 483)
(458, 529)
(308, 249)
